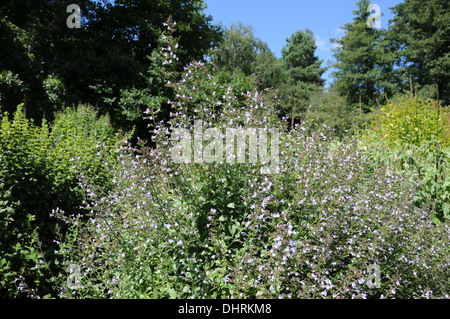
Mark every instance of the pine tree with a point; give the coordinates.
(303, 70)
(420, 35)
(362, 61)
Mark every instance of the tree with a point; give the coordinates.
(239, 49)
(420, 35)
(268, 71)
(360, 60)
(327, 107)
(96, 63)
(25, 32)
(303, 71)
(242, 53)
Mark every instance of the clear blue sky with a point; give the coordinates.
(274, 21)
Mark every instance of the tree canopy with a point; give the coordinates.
(304, 72)
(372, 63)
(43, 61)
(420, 35)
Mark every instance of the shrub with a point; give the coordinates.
(334, 214)
(332, 110)
(221, 230)
(40, 170)
(226, 231)
(412, 121)
(413, 136)
(155, 233)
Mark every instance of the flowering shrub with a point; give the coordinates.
(338, 214)
(221, 230)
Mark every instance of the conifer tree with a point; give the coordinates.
(303, 70)
(360, 60)
(420, 36)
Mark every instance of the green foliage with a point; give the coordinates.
(299, 57)
(155, 95)
(269, 72)
(84, 142)
(55, 90)
(420, 38)
(194, 218)
(101, 63)
(304, 73)
(412, 121)
(362, 61)
(40, 171)
(373, 63)
(238, 50)
(222, 230)
(242, 54)
(413, 136)
(11, 80)
(330, 109)
(141, 225)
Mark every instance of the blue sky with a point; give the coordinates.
(274, 21)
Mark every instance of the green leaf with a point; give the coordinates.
(186, 289)
(230, 205)
(446, 210)
(172, 293)
(177, 204)
(232, 229)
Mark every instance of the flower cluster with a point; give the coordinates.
(333, 214)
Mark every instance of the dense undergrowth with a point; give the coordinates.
(140, 225)
(413, 136)
(40, 170)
